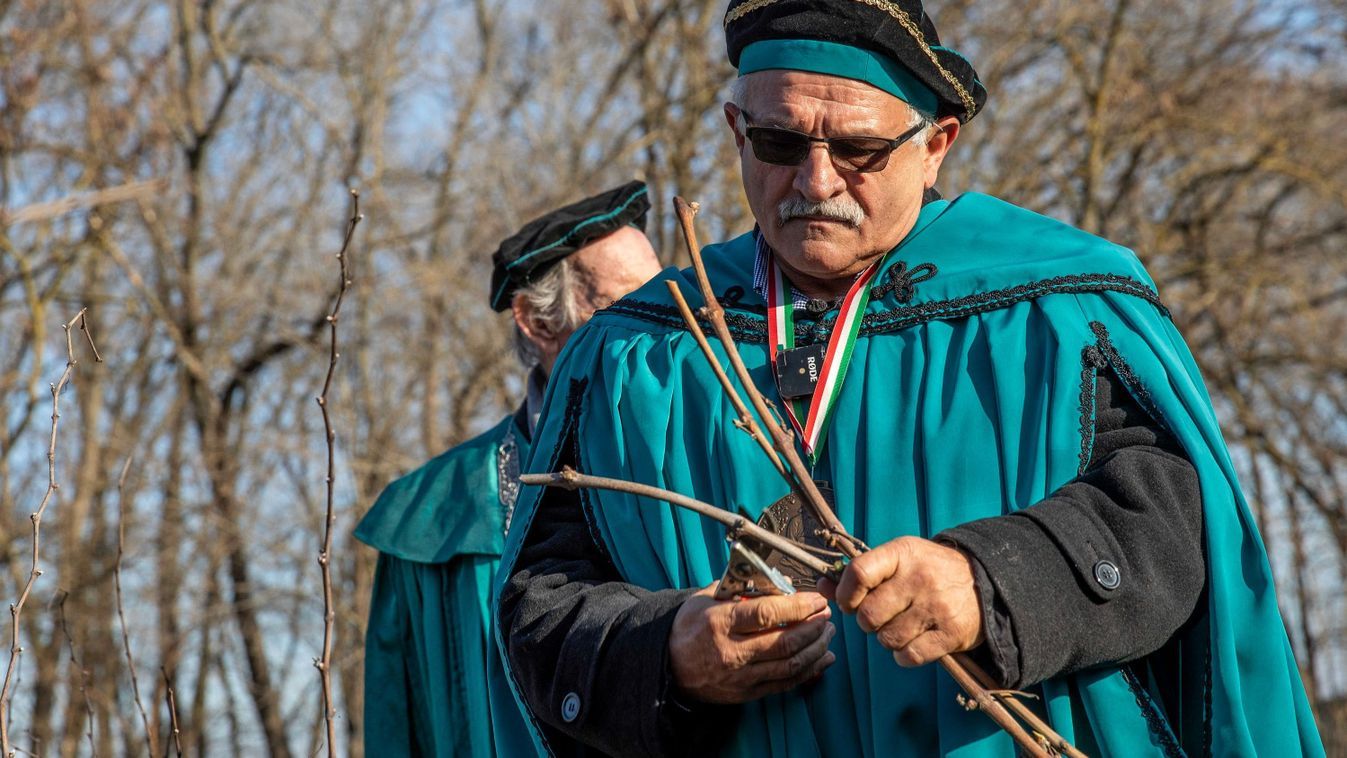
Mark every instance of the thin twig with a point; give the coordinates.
(89, 337)
(992, 707)
(570, 479)
(782, 439)
(121, 613)
(84, 674)
(324, 665)
(172, 711)
(16, 609)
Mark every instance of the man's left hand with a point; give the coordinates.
(917, 596)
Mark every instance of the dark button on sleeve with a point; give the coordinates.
(1107, 575)
(570, 707)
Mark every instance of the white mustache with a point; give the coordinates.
(842, 209)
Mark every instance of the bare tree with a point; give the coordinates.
(176, 165)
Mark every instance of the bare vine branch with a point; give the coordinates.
(16, 609)
(570, 479)
(1043, 733)
(324, 664)
(746, 421)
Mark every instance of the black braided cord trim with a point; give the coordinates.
(1155, 720)
(1090, 363)
(1125, 373)
(743, 328)
(982, 302)
(748, 324)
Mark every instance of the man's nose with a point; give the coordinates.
(816, 178)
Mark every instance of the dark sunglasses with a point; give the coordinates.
(787, 147)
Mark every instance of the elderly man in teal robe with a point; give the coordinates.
(999, 404)
(433, 682)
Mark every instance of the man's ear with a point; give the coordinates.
(732, 118)
(937, 147)
(535, 328)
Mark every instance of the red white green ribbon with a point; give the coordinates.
(817, 409)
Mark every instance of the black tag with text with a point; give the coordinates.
(798, 371)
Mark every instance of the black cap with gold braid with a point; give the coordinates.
(891, 44)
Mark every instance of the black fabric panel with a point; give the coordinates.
(1138, 507)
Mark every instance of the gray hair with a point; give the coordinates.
(552, 299)
(739, 91)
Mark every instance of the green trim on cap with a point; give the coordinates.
(568, 236)
(505, 284)
(836, 59)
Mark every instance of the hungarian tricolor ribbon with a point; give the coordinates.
(817, 409)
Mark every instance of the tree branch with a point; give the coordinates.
(56, 208)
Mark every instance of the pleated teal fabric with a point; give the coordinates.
(434, 683)
(969, 396)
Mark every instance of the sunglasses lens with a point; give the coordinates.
(783, 147)
(860, 153)
(778, 146)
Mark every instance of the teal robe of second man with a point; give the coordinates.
(433, 679)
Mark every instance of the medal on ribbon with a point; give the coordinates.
(810, 378)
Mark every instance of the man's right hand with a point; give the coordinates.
(737, 651)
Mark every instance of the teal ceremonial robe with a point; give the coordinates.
(433, 679)
(969, 395)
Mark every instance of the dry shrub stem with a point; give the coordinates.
(16, 609)
(324, 664)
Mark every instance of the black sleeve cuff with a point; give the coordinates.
(1000, 652)
(1020, 567)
